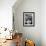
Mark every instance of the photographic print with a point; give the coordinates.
(28, 19)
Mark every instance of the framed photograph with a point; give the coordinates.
(28, 19)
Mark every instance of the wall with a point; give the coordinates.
(43, 22)
(33, 33)
(6, 13)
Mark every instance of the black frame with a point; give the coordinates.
(29, 16)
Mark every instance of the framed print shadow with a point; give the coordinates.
(29, 19)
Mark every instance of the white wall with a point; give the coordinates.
(43, 22)
(6, 13)
(33, 33)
